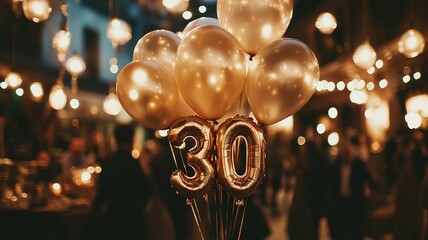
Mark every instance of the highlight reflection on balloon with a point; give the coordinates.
(202, 21)
(198, 157)
(148, 93)
(282, 78)
(228, 134)
(210, 71)
(159, 46)
(255, 23)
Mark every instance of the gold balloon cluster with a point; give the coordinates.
(208, 68)
(213, 67)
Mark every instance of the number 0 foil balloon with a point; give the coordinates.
(255, 23)
(198, 157)
(281, 79)
(210, 70)
(148, 93)
(237, 185)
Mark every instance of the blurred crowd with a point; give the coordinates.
(357, 192)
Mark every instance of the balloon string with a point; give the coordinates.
(242, 220)
(227, 217)
(197, 220)
(216, 213)
(173, 155)
(197, 210)
(235, 220)
(207, 202)
(182, 161)
(233, 214)
(221, 212)
(240, 103)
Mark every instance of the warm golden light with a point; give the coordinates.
(383, 83)
(333, 139)
(411, 43)
(135, 153)
(19, 92)
(326, 23)
(332, 112)
(418, 104)
(364, 56)
(75, 65)
(56, 189)
(301, 140)
(111, 105)
(187, 15)
(85, 177)
(57, 97)
(414, 120)
(36, 10)
(118, 32)
(13, 80)
(176, 6)
(321, 128)
(358, 97)
(3, 85)
(61, 42)
(340, 86)
(36, 90)
(74, 103)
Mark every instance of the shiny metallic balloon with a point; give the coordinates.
(159, 46)
(198, 157)
(255, 23)
(228, 133)
(148, 93)
(210, 71)
(202, 21)
(281, 79)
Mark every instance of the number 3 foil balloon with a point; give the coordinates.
(228, 133)
(210, 70)
(198, 157)
(281, 79)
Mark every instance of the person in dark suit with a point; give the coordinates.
(123, 189)
(349, 178)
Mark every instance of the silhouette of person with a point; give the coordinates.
(74, 158)
(349, 177)
(123, 188)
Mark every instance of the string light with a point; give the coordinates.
(13, 80)
(19, 92)
(417, 75)
(61, 42)
(118, 32)
(411, 43)
(175, 6)
(326, 23)
(75, 65)
(187, 15)
(57, 97)
(36, 10)
(332, 112)
(364, 56)
(383, 83)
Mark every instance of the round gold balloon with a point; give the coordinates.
(210, 71)
(148, 93)
(231, 131)
(255, 23)
(199, 157)
(159, 46)
(202, 21)
(281, 79)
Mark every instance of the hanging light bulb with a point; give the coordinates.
(13, 80)
(326, 23)
(61, 42)
(176, 6)
(111, 104)
(75, 65)
(411, 43)
(36, 91)
(57, 97)
(364, 56)
(36, 10)
(118, 32)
